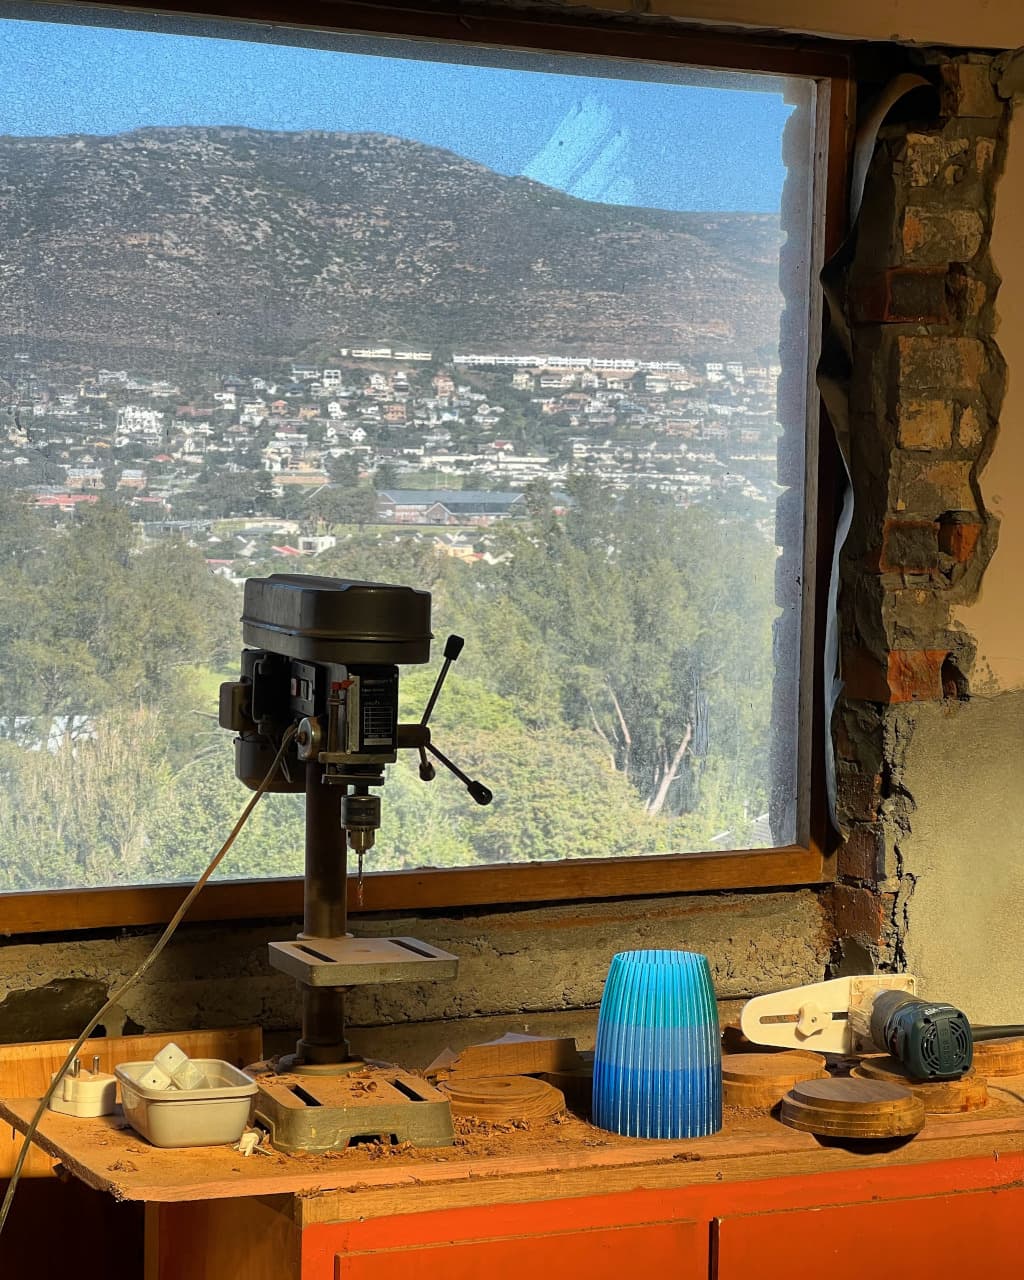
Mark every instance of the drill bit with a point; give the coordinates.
(359, 880)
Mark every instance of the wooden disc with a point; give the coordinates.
(939, 1096)
(847, 1108)
(577, 1087)
(760, 1079)
(503, 1098)
(1000, 1057)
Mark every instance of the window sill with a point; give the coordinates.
(69, 910)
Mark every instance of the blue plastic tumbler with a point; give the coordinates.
(658, 1059)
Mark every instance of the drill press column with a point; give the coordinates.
(325, 915)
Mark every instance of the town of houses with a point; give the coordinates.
(454, 442)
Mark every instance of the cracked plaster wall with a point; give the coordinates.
(991, 24)
(544, 966)
(964, 854)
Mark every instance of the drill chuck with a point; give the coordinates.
(932, 1041)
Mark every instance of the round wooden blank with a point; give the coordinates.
(848, 1108)
(760, 1079)
(1000, 1057)
(503, 1098)
(939, 1096)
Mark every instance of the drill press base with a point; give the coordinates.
(330, 1113)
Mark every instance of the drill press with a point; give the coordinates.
(323, 667)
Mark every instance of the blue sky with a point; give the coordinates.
(681, 146)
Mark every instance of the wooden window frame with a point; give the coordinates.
(813, 863)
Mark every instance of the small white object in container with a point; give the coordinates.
(179, 1067)
(155, 1077)
(216, 1112)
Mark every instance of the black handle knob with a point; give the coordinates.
(480, 793)
(453, 647)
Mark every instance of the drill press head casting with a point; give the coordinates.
(324, 659)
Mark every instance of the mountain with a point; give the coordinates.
(227, 244)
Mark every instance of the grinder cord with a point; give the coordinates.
(143, 968)
(996, 1033)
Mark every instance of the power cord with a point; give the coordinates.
(139, 973)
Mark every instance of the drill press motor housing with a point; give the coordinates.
(323, 667)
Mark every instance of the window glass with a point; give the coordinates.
(527, 331)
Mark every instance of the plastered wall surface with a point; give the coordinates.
(551, 960)
(987, 24)
(996, 618)
(965, 854)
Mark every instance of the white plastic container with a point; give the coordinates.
(206, 1117)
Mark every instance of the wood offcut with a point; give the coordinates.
(761, 1079)
(848, 1108)
(939, 1096)
(508, 1099)
(1004, 1057)
(512, 1054)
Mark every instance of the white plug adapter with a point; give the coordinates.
(90, 1093)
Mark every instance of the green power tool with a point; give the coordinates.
(931, 1041)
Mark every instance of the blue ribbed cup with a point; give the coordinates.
(658, 1059)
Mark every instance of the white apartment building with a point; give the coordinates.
(137, 420)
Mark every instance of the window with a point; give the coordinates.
(530, 330)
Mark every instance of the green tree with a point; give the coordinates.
(648, 626)
(335, 505)
(343, 470)
(94, 619)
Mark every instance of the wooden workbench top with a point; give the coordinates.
(494, 1164)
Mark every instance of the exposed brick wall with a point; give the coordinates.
(926, 387)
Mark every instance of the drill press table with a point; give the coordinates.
(757, 1199)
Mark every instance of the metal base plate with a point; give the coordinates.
(357, 962)
(330, 1113)
(292, 1064)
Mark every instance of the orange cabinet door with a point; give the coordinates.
(675, 1249)
(974, 1233)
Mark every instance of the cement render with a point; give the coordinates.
(512, 963)
(964, 855)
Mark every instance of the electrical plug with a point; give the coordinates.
(84, 1093)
